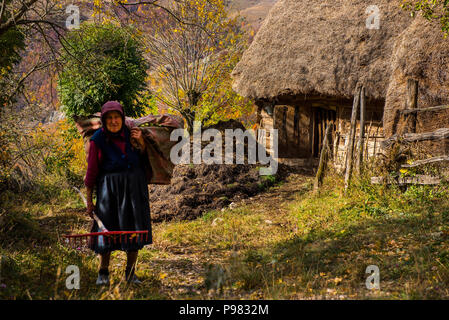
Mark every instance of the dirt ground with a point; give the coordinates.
(197, 189)
(185, 266)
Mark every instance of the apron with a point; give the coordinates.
(123, 205)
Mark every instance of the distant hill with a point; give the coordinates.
(254, 11)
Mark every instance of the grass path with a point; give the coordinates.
(183, 266)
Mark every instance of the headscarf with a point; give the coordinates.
(112, 106)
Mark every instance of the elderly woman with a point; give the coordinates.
(115, 167)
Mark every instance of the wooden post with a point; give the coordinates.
(313, 132)
(412, 103)
(375, 141)
(324, 157)
(368, 135)
(320, 131)
(351, 138)
(336, 145)
(362, 131)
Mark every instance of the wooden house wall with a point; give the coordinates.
(296, 124)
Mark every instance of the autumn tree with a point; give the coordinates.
(192, 62)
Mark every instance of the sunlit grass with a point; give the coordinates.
(310, 247)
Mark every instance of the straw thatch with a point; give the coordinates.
(321, 47)
(420, 53)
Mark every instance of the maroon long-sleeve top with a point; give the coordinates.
(95, 157)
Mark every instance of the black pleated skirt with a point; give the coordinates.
(123, 205)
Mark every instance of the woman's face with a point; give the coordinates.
(113, 121)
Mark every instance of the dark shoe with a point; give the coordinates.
(131, 277)
(103, 278)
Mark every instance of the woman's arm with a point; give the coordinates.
(91, 174)
(90, 204)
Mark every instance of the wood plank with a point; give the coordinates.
(426, 161)
(438, 134)
(312, 118)
(437, 108)
(324, 157)
(418, 179)
(350, 147)
(362, 131)
(320, 133)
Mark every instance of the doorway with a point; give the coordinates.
(321, 119)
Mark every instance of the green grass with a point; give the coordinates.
(309, 246)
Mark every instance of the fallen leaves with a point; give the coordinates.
(162, 275)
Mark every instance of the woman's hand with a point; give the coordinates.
(136, 133)
(90, 205)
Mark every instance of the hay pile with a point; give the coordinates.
(420, 53)
(320, 47)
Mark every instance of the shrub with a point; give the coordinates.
(103, 63)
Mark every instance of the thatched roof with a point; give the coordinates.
(321, 47)
(420, 53)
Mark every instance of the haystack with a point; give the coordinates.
(422, 53)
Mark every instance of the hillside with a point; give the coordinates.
(253, 11)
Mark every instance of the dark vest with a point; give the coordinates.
(113, 160)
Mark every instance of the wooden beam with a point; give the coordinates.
(437, 108)
(324, 157)
(426, 161)
(313, 132)
(438, 134)
(350, 146)
(359, 163)
(418, 179)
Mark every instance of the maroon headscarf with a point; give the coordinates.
(112, 106)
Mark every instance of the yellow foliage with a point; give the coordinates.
(60, 146)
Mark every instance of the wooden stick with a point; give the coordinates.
(100, 224)
(323, 158)
(418, 179)
(426, 161)
(313, 132)
(437, 108)
(350, 147)
(362, 132)
(375, 142)
(368, 136)
(438, 134)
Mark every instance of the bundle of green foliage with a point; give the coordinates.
(103, 63)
